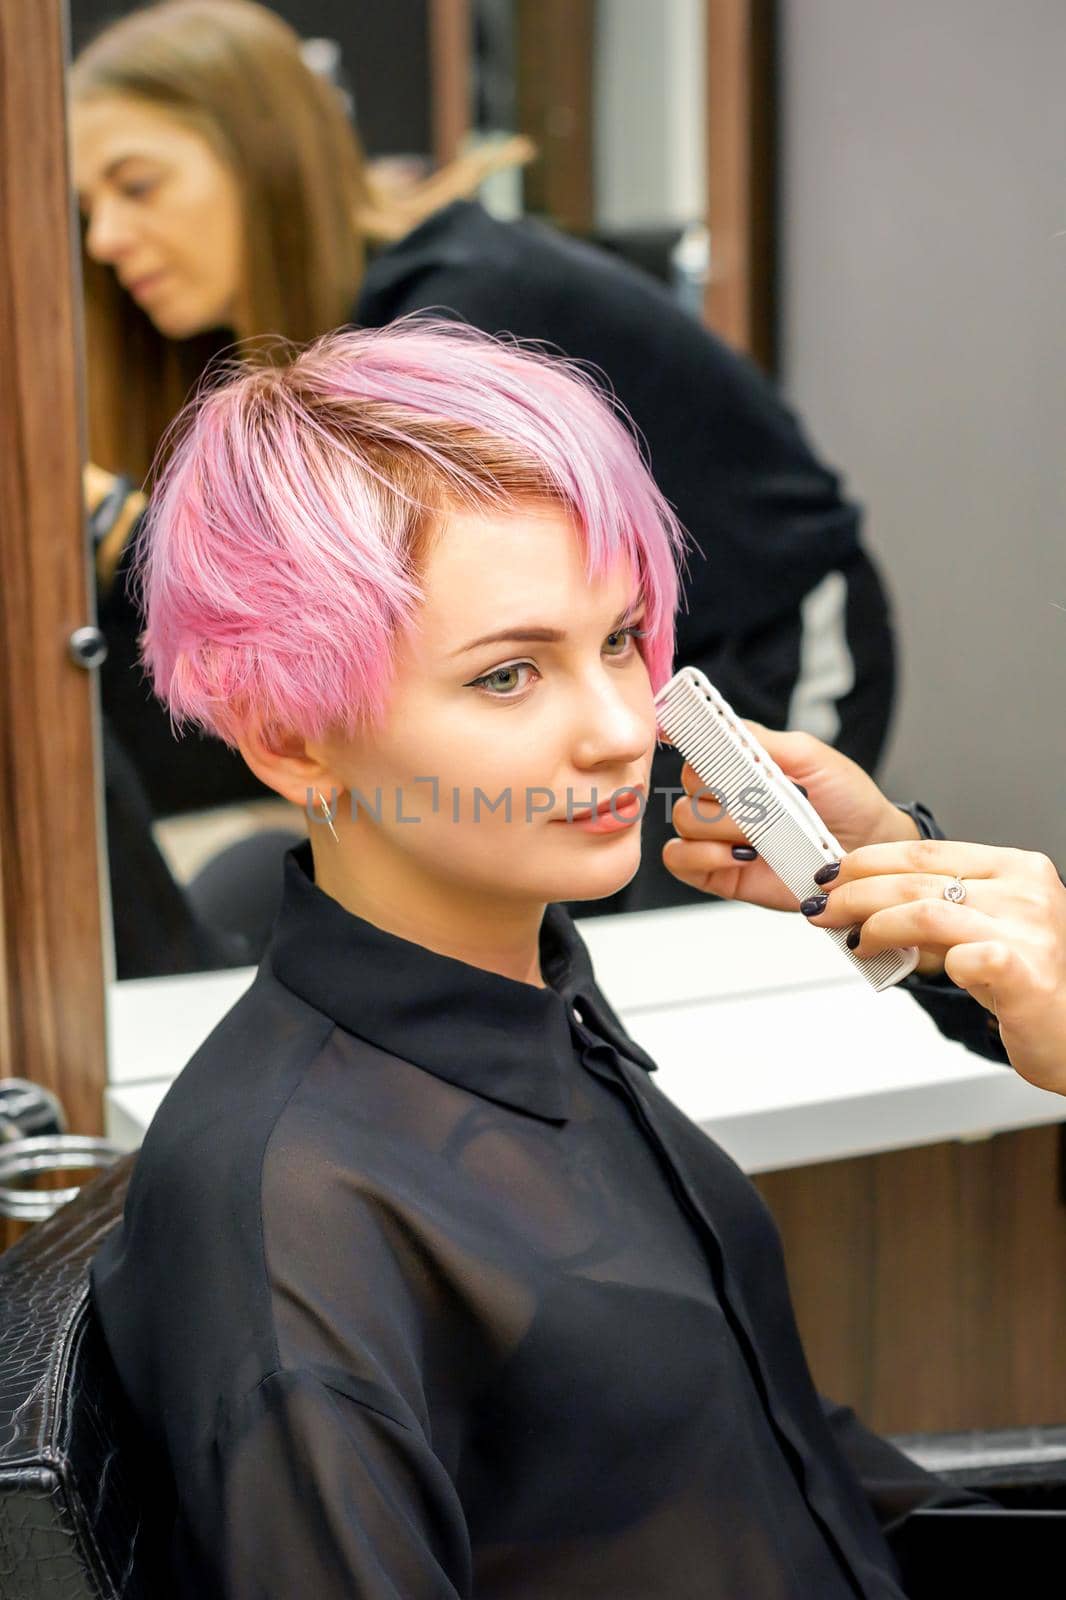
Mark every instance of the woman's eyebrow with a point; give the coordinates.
(114, 167)
(120, 161)
(534, 633)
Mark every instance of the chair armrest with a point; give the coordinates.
(1016, 1466)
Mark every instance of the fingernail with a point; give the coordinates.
(816, 904)
(801, 789)
(852, 940)
(744, 852)
(827, 873)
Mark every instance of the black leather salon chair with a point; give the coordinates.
(84, 1507)
(75, 1521)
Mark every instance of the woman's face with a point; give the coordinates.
(162, 210)
(543, 723)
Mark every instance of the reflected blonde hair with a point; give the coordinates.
(233, 71)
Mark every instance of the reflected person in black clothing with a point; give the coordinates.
(422, 1288)
(203, 234)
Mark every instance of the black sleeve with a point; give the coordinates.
(893, 1484)
(324, 1494)
(827, 667)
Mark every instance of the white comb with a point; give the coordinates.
(766, 806)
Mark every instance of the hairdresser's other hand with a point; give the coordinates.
(844, 796)
(1005, 943)
(96, 485)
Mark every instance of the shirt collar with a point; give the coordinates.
(503, 1039)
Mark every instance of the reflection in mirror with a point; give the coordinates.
(196, 235)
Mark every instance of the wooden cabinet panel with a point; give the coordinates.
(930, 1284)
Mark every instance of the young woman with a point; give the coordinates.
(224, 197)
(423, 1289)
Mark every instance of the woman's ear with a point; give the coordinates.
(290, 766)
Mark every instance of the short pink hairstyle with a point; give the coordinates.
(279, 562)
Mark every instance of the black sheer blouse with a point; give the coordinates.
(424, 1290)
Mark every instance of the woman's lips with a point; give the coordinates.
(144, 285)
(611, 815)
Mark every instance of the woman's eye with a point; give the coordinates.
(500, 685)
(496, 683)
(136, 191)
(626, 634)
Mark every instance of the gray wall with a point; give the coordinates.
(923, 296)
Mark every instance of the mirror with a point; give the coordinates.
(612, 97)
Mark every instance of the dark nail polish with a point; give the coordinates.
(827, 873)
(815, 905)
(801, 789)
(744, 852)
(853, 938)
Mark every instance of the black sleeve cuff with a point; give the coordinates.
(926, 823)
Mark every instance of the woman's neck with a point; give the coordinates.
(484, 930)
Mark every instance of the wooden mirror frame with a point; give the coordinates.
(741, 175)
(52, 946)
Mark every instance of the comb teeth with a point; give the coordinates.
(765, 805)
(707, 743)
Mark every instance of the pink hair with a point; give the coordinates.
(279, 561)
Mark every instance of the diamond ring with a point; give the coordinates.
(955, 891)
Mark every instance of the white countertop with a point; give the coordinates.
(763, 1031)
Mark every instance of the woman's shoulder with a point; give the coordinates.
(249, 1170)
(237, 1082)
(195, 1192)
(462, 257)
(280, 1121)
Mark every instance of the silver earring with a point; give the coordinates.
(327, 813)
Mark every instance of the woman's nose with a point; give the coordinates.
(108, 236)
(616, 724)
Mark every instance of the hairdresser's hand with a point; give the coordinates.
(1005, 943)
(96, 485)
(844, 796)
